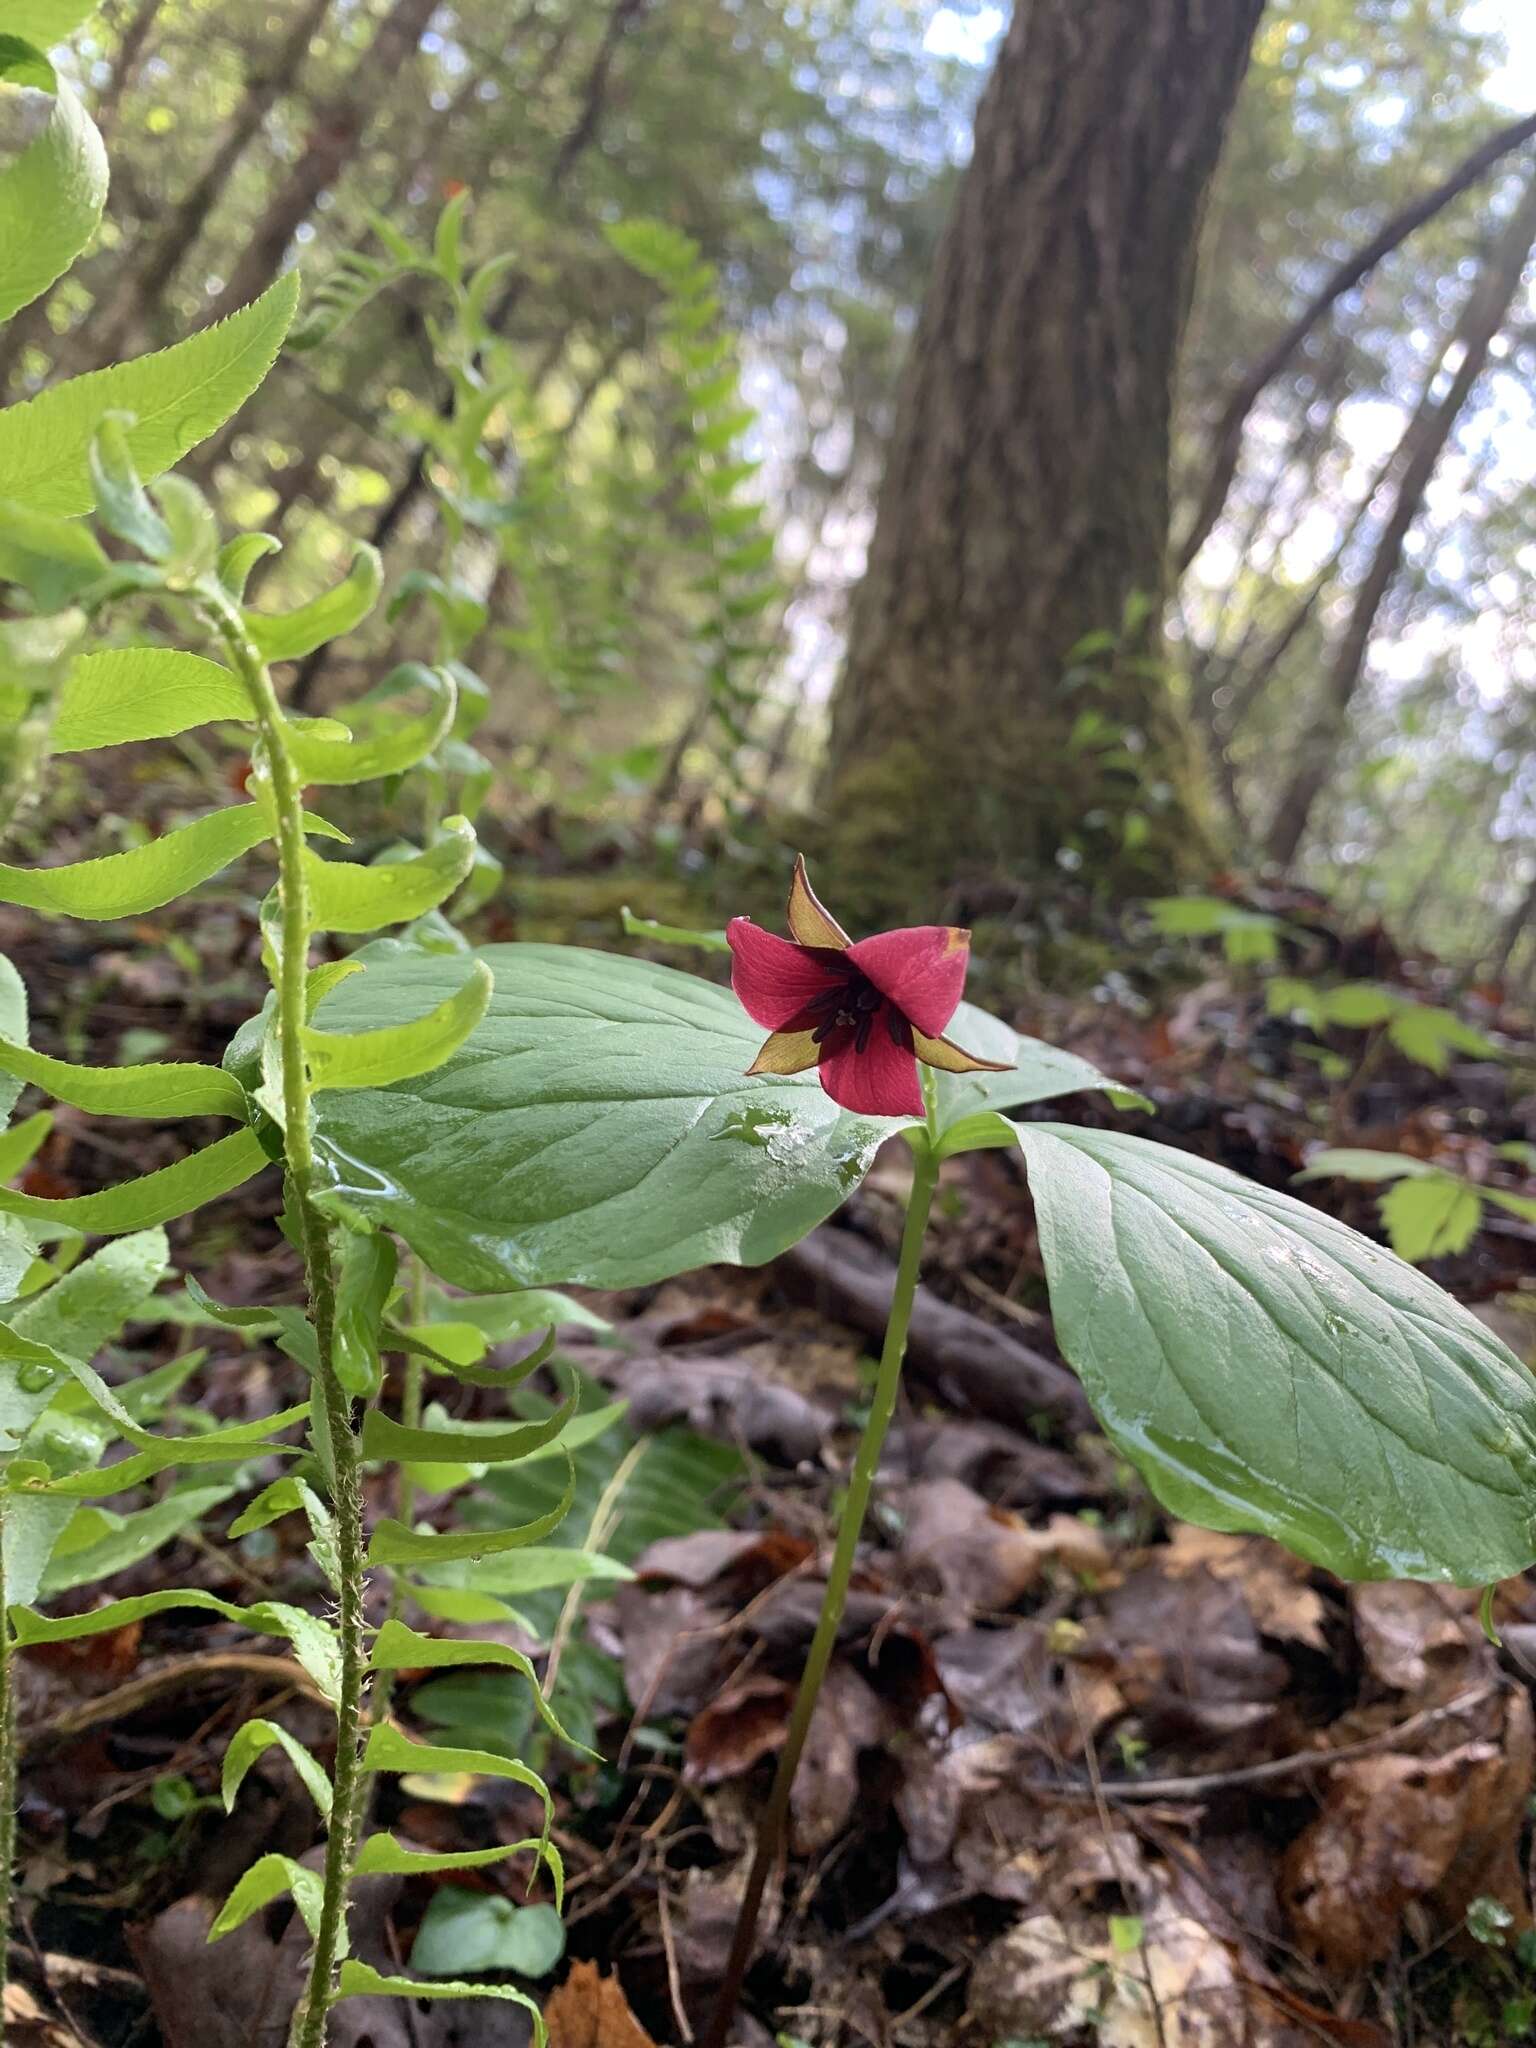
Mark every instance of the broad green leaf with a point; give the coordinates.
(21, 1143)
(55, 559)
(398, 1052)
(346, 897)
(361, 1980)
(389, 752)
(88, 1307)
(124, 884)
(1266, 1368)
(1037, 1072)
(1359, 1005)
(382, 1855)
(500, 1317)
(398, 1648)
(269, 1878)
(31, 1373)
(51, 197)
(18, 1256)
(388, 1750)
(463, 1931)
(33, 1525)
(251, 1741)
(167, 1090)
(177, 397)
(233, 1444)
(157, 1197)
(365, 1281)
(45, 22)
(1354, 1162)
(289, 636)
(1430, 1218)
(597, 1128)
(97, 1543)
(13, 1026)
(1430, 1036)
(142, 693)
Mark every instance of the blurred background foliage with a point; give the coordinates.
(812, 149)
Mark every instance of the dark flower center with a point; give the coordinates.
(849, 1010)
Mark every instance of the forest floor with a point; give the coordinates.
(1081, 1774)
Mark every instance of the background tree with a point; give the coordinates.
(1004, 698)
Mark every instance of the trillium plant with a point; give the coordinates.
(457, 1130)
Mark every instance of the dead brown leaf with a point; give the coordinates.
(849, 1718)
(1396, 1829)
(985, 1557)
(672, 1644)
(590, 2010)
(27, 2025)
(742, 1724)
(1277, 1586)
(751, 1558)
(1180, 1987)
(1420, 1640)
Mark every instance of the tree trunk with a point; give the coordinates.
(336, 133)
(1423, 444)
(1025, 505)
(126, 58)
(144, 280)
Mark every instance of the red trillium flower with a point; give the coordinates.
(863, 1014)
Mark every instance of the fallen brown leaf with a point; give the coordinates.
(849, 1718)
(984, 1556)
(1420, 1640)
(591, 2011)
(1180, 1987)
(1277, 1586)
(742, 1724)
(1397, 1829)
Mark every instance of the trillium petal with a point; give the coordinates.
(810, 921)
(921, 970)
(787, 1052)
(773, 978)
(953, 1059)
(881, 1080)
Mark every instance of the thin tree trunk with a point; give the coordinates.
(126, 59)
(144, 279)
(338, 128)
(31, 327)
(1423, 444)
(623, 17)
(1521, 920)
(1227, 441)
(1025, 504)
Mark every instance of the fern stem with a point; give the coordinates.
(7, 1779)
(320, 1278)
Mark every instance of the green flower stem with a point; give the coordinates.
(772, 1828)
(320, 1279)
(7, 1778)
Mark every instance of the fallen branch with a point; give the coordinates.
(972, 1365)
